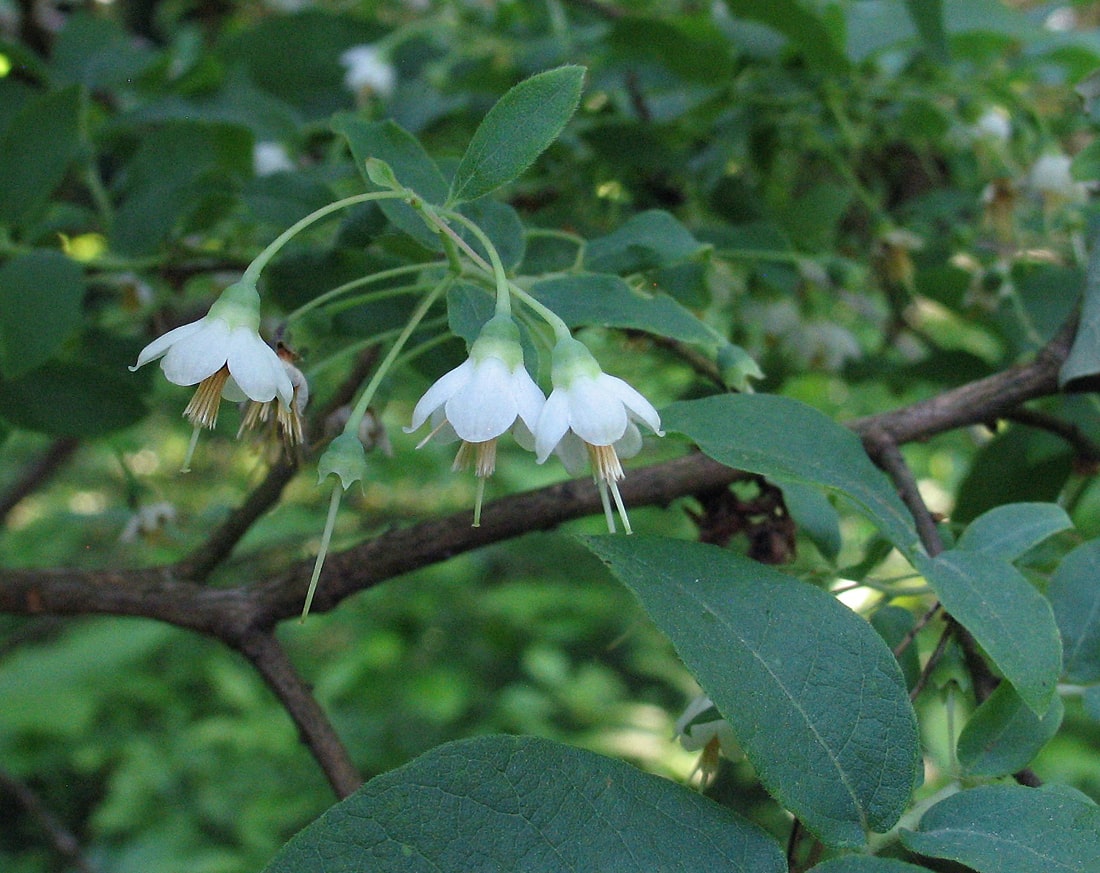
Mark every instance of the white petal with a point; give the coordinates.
(640, 408)
(528, 396)
(523, 435)
(256, 368)
(163, 343)
(440, 392)
(552, 424)
(572, 453)
(630, 443)
(483, 408)
(199, 354)
(596, 415)
(232, 391)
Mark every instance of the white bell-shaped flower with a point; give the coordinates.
(701, 728)
(224, 355)
(600, 411)
(487, 395)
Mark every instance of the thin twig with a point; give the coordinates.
(933, 661)
(37, 473)
(61, 838)
(270, 659)
(1086, 449)
(884, 451)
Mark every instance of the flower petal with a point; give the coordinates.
(596, 414)
(573, 453)
(256, 368)
(163, 343)
(528, 396)
(630, 443)
(198, 354)
(640, 408)
(552, 424)
(439, 393)
(483, 408)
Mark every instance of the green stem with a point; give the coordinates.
(380, 276)
(252, 274)
(386, 365)
(356, 347)
(504, 300)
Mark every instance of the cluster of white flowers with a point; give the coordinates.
(589, 415)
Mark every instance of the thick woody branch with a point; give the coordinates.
(271, 661)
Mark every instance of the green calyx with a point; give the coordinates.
(570, 359)
(499, 338)
(344, 458)
(238, 306)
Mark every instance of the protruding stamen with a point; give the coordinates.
(605, 463)
(619, 503)
(203, 409)
(186, 468)
(435, 430)
(483, 457)
(478, 500)
(601, 486)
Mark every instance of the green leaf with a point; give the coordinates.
(412, 166)
(183, 176)
(1007, 532)
(788, 441)
(1004, 735)
(502, 225)
(516, 131)
(1075, 598)
(42, 294)
(1011, 829)
(813, 695)
(601, 299)
(94, 51)
(525, 804)
(1010, 619)
(63, 399)
(1019, 465)
(649, 239)
(927, 15)
(893, 624)
(800, 23)
(866, 864)
(39, 144)
(815, 516)
(1084, 356)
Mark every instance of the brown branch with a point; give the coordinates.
(61, 838)
(1086, 449)
(269, 658)
(230, 614)
(37, 473)
(884, 451)
(976, 402)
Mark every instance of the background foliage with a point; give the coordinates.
(870, 199)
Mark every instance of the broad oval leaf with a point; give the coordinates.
(1004, 735)
(1011, 829)
(525, 804)
(1006, 532)
(606, 300)
(866, 864)
(815, 697)
(650, 239)
(38, 145)
(41, 297)
(1075, 598)
(412, 166)
(516, 131)
(788, 441)
(1010, 619)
